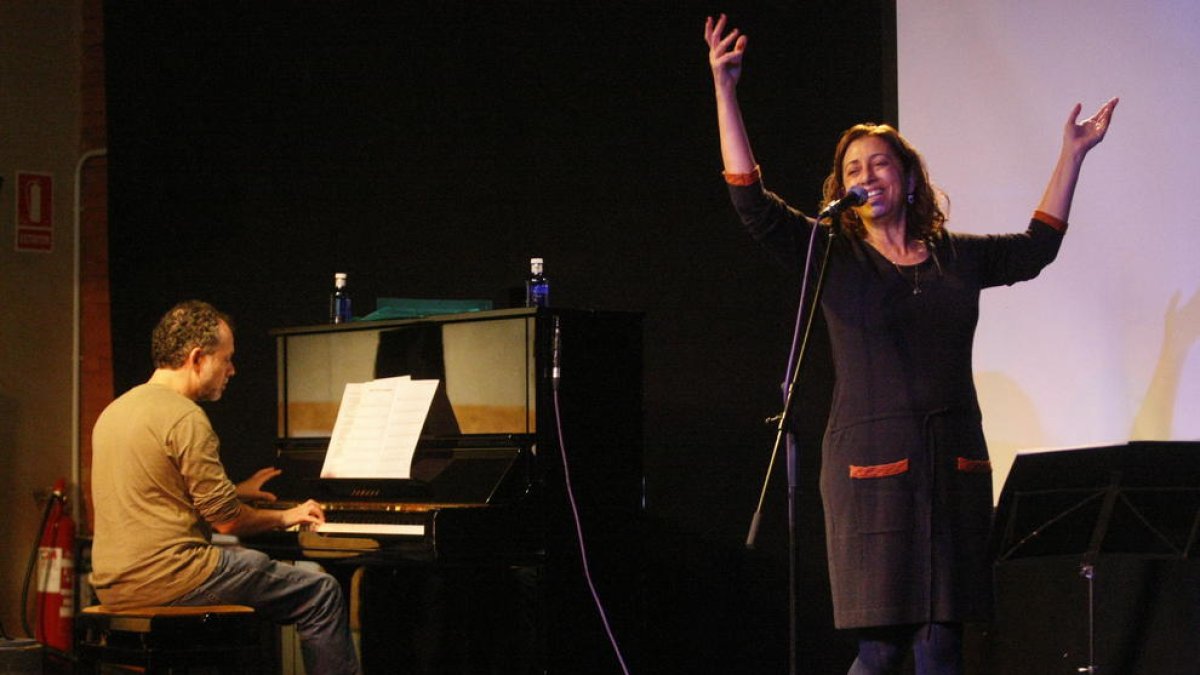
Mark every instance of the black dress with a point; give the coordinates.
(905, 475)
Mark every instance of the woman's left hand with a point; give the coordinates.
(1080, 137)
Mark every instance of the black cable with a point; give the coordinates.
(33, 555)
(574, 505)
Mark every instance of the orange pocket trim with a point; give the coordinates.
(974, 465)
(879, 470)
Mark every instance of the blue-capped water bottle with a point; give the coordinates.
(537, 287)
(339, 300)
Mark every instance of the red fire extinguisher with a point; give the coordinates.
(56, 574)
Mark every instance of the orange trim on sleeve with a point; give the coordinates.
(879, 470)
(1060, 225)
(743, 179)
(974, 465)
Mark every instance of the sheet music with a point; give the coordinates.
(377, 428)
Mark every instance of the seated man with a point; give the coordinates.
(159, 491)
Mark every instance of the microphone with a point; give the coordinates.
(855, 196)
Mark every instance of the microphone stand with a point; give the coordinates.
(805, 315)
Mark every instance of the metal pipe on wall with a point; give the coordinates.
(77, 319)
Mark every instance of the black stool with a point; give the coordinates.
(227, 638)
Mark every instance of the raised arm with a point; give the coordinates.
(725, 53)
(1078, 139)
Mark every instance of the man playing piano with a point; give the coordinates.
(160, 490)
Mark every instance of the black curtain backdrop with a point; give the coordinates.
(429, 149)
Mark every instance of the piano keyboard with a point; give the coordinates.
(384, 519)
(407, 520)
(394, 529)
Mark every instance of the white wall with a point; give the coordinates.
(1099, 348)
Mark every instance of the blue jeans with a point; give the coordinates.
(285, 594)
(937, 649)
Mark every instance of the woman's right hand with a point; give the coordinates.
(724, 52)
(725, 56)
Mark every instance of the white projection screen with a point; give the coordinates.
(1100, 348)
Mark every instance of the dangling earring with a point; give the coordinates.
(911, 198)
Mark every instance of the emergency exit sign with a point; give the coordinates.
(35, 211)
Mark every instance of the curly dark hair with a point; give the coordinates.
(924, 215)
(189, 324)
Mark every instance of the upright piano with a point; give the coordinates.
(488, 502)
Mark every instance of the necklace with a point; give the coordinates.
(915, 282)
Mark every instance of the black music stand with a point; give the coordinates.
(1137, 499)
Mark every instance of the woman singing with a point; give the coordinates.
(905, 474)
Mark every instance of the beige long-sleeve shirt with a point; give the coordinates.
(157, 485)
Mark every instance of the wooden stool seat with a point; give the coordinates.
(162, 639)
